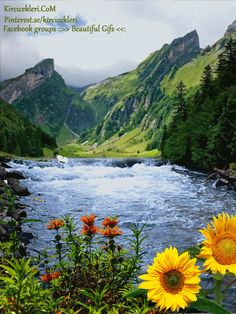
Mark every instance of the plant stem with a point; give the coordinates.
(18, 299)
(14, 242)
(112, 247)
(58, 246)
(218, 293)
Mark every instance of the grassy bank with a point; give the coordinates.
(131, 144)
(75, 150)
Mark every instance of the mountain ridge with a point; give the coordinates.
(139, 99)
(43, 97)
(13, 89)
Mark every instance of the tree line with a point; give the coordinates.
(18, 136)
(203, 128)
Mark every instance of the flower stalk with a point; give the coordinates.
(218, 292)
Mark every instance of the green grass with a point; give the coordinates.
(131, 144)
(48, 153)
(45, 128)
(3, 154)
(120, 86)
(64, 136)
(232, 166)
(71, 150)
(190, 73)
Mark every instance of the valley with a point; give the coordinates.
(132, 114)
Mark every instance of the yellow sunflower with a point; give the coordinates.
(219, 247)
(172, 281)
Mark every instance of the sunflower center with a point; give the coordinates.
(224, 249)
(172, 281)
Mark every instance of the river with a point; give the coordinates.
(173, 202)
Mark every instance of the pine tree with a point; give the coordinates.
(224, 137)
(163, 137)
(226, 68)
(3, 141)
(17, 150)
(180, 107)
(206, 85)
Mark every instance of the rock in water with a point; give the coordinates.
(3, 173)
(62, 159)
(17, 188)
(220, 182)
(15, 175)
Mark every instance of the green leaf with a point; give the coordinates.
(7, 279)
(193, 251)
(9, 270)
(87, 294)
(85, 305)
(217, 276)
(205, 305)
(135, 293)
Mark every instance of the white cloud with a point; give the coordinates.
(75, 76)
(82, 57)
(16, 55)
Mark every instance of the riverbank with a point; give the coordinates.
(223, 178)
(11, 209)
(130, 144)
(77, 151)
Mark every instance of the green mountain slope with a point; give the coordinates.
(191, 72)
(43, 107)
(126, 100)
(18, 136)
(145, 98)
(105, 95)
(202, 132)
(42, 96)
(136, 108)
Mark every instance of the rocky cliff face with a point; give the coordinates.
(130, 111)
(179, 52)
(46, 105)
(231, 29)
(42, 96)
(12, 90)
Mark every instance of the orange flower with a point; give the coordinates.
(49, 277)
(55, 274)
(110, 222)
(55, 224)
(89, 230)
(111, 232)
(88, 220)
(46, 277)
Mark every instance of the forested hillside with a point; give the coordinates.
(42, 96)
(203, 128)
(18, 136)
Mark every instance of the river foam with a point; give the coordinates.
(173, 202)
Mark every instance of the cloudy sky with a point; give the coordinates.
(82, 58)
